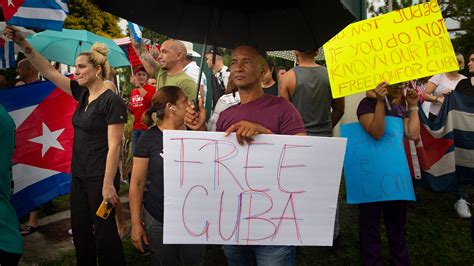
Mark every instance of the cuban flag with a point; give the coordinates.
(44, 136)
(7, 54)
(35, 14)
(136, 31)
(446, 146)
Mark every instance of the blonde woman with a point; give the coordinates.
(98, 129)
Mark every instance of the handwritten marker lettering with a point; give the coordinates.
(278, 190)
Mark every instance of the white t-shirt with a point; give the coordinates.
(443, 84)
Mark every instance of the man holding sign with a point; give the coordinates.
(258, 113)
(307, 84)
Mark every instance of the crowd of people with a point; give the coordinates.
(252, 96)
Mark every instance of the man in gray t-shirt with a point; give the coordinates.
(307, 87)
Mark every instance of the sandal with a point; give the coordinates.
(28, 230)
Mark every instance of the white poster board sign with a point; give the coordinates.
(280, 190)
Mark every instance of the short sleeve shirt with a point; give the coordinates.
(443, 83)
(150, 145)
(181, 80)
(90, 122)
(274, 113)
(139, 104)
(367, 105)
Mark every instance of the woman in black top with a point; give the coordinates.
(169, 103)
(98, 128)
(269, 80)
(466, 86)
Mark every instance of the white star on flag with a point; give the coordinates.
(10, 3)
(48, 139)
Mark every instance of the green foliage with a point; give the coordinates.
(83, 14)
(125, 87)
(461, 11)
(153, 36)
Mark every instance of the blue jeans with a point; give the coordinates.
(260, 255)
(135, 135)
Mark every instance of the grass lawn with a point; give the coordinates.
(435, 236)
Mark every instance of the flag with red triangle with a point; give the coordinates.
(446, 146)
(44, 136)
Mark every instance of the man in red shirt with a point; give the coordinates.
(140, 101)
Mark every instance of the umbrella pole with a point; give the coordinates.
(196, 100)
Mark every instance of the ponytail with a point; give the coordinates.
(165, 95)
(147, 118)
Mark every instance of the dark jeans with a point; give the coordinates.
(169, 254)
(394, 214)
(93, 237)
(9, 259)
(260, 255)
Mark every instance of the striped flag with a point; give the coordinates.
(446, 148)
(419, 87)
(136, 31)
(44, 135)
(36, 14)
(7, 54)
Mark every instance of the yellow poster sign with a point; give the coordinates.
(402, 45)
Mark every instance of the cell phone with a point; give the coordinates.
(104, 210)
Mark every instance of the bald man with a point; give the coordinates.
(26, 72)
(169, 68)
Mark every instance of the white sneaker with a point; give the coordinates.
(462, 208)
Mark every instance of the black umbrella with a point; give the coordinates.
(301, 24)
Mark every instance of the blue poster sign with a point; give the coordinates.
(376, 170)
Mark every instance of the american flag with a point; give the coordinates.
(419, 87)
